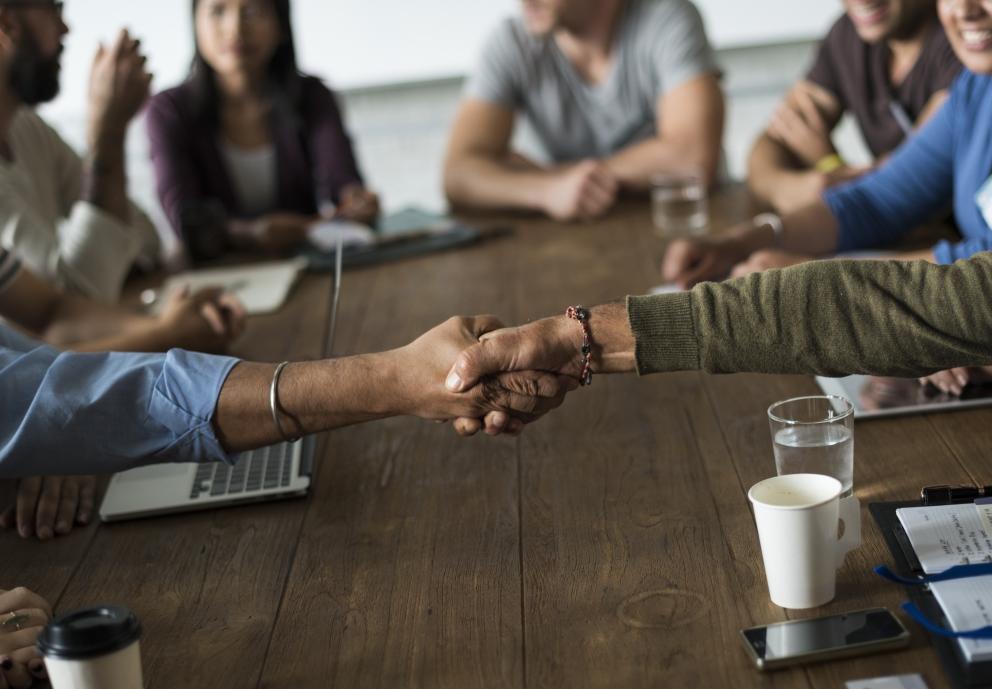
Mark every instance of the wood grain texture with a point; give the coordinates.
(610, 546)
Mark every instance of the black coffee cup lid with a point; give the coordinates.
(89, 633)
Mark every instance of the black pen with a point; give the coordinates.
(945, 495)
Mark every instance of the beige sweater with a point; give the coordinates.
(825, 317)
(74, 243)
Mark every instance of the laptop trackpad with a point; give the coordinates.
(158, 471)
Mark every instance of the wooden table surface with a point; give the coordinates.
(612, 545)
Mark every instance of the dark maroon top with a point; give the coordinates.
(314, 161)
(857, 73)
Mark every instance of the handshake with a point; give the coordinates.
(482, 376)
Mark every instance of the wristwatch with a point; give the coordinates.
(773, 221)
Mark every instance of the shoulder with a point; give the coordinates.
(316, 98)
(175, 103)
(314, 88)
(29, 128)
(971, 90)
(510, 39)
(841, 37)
(664, 12)
(658, 24)
(661, 19)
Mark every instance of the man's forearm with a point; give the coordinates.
(824, 317)
(635, 165)
(811, 230)
(105, 176)
(314, 396)
(770, 169)
(484, 182)
(94, 327)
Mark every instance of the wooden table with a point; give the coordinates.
(610, 546)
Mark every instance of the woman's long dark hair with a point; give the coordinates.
(285, 83)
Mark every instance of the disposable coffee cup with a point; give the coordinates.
(805, 530)
(95, 648)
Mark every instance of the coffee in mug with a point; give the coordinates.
(95, 648)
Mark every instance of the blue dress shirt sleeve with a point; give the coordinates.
(67, 413)
(909, 189)
(948, 252)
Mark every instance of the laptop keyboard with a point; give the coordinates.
(255, 470)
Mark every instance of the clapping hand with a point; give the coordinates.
(119, 86)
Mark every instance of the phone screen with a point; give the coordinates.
(814, 636)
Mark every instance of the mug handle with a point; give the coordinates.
(850, 514)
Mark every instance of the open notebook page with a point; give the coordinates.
(967, 603)
(946, 535)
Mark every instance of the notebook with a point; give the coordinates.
(946, 535)
(967, 604)
(943, 536)
(261, 287)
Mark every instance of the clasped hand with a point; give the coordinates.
(502, 378)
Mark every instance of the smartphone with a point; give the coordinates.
(822, 638)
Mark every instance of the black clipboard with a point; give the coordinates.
(400, 246)
(959, 672)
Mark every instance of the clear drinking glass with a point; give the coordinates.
(814, 435)
(679, 204)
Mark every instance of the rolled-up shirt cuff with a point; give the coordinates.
(100, 250)
(184, 400)
(664, 332)
(943, 252)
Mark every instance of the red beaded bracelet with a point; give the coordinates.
(581, 314)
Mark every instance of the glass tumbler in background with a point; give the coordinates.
(679, 204)
(814, 435)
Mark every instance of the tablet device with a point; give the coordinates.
(875, 397)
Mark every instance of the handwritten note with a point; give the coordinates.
(967, 604)
(946, 535)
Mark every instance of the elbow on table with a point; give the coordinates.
(457, 180)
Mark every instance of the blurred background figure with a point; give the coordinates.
(248, 151)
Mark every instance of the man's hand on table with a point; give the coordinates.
(203, 322)
(46, 506)
(688, 262)
(768, 259)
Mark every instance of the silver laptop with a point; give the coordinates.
(879, 397)
(269, 473)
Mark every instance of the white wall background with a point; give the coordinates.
(356, 43)
(400, 131)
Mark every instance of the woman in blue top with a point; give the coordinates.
(947, 164)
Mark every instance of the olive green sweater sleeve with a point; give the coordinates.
(825, 317)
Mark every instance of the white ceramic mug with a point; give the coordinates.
(799, 518)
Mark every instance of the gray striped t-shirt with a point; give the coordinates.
(660, 45)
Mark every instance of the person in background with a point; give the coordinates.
(68, 218)
(886, 62)
(249, 152)
(208, 321)
(617, 91)
(947, 163)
